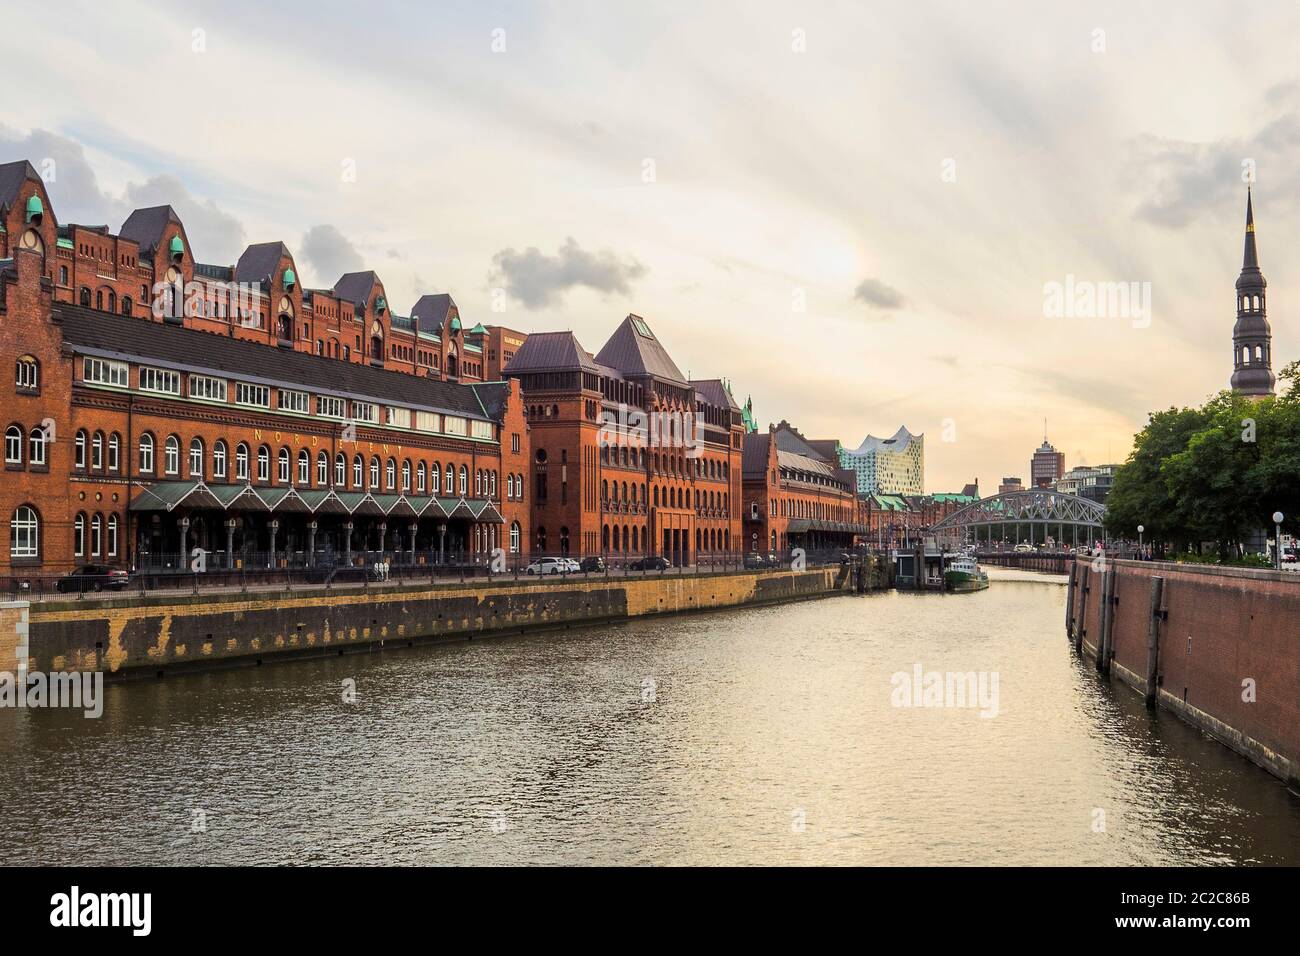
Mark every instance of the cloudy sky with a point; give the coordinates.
(850, 210)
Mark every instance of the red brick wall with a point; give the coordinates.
(1224, 626)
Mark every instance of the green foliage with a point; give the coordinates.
(1214, 473)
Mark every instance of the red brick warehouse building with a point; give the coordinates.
(603, 486)
(161, 404)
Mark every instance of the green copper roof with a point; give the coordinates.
(380, 304)
(34, 208)
(747, 416)
(177, 246)
(455, 324)
(480, 329)
(64, 243)
(290, 280)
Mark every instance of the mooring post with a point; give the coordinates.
(1069, 605)
(1085, 578)
(1153, 638)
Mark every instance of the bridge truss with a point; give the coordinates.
(1036, 512)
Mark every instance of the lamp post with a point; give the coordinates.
(1277, 539)
(1140, 552)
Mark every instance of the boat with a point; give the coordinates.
(963, 573)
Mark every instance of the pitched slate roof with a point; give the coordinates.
(634, 350)
(753, 460)
(259, 261)
(356, 286)
(493, 396)
(145, 226)
(788, 440)
(430, 311)
(715, 392)
(551, 352)
(130, 339)
(12, 177)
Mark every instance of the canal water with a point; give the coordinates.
(778, 735)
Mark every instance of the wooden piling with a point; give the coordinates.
(1085, 579)
(1106, 621)
(1069, 605)
(1153, 638)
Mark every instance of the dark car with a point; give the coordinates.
(755, 560)
(653, 563)
(594, 563)
(93, 577)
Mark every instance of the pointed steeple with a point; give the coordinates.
(1252, 359)
(1250, 258)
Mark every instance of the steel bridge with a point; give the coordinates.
(1003, 519)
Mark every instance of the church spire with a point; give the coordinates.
(1252, 359)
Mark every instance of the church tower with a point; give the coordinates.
(1252, 372)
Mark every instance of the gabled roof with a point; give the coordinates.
(552, 352)
(493, 396)
(789, 440)
(790, 459)
(12, 177)
(259, 262)
(145, 227)
(634, 350)
(128, 339)
(356, 286)
(430, 311)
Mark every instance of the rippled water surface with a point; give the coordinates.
(752, 736)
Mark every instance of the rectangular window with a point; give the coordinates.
(103, 372)
(365, 412)
(294, 401)
(258, 395)
(208, 388)
(329, 407)
(160, 380)
(401, 417)
(428, 421)
(453, 425)
(514, 443)
(481, 430)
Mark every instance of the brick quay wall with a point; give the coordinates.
(1220, 647)
(134, 636)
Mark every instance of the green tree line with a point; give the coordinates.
(1212, 474)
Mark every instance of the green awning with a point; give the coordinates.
(401, 508)
(360, 503)
(238, 497)
(169, 495)
(285, 501)
(323, 501)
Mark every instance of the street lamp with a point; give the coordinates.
(1277, 539)
(1140, 530)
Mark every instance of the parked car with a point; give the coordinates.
(93, 577)
(754, 560)
(547, 566)
(1022, 548)
(654, 563)
(595, 563)
(572, 566)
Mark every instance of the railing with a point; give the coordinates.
(253, 571)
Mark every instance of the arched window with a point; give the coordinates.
(514, 537)
(146, 452)
(492, 481)
(450, 486)
(304, 467)
(79, 535)
(390, 474)
(97, 452)
(541, 540)
(264, 463)
(464, 481)
(126, 310)
(374, 473)
(97, 535)
(114, 451)
(421, 475)
(219, 460)
(172, 455)
(84, 297)
(111, 551)
(27, 374)
(196, 458)
(406, 475)
(358, 472)
(341, 470)
(25, 533)
(282, 466)
(36, 446)
(435, 477)
(241, 462)
(322, 469)
(79, 453)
